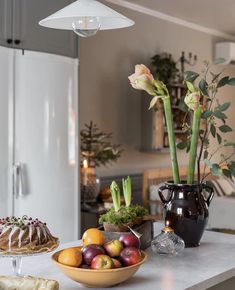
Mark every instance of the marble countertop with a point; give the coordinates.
(195, 269)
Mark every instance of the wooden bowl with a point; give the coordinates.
(98, 278)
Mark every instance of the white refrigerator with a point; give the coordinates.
(39, 150)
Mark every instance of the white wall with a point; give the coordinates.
(106, 97)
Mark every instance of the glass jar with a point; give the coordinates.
(91, 187)
(167, 243)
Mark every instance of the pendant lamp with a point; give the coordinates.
(86, 18)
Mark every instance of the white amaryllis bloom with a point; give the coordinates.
(193, 100)
(142, 79)
(143, 82)
(141, 69)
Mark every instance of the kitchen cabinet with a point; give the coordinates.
(6, 22)
(19, 27)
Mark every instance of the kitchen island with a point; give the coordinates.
(195, 269)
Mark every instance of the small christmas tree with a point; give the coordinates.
(96, 146)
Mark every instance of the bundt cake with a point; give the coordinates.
(25, 236)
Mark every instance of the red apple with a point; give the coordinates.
(130, 240)
(113, 248)
(102, 262)
(90, 251)
(130, 256)
(84, 266)
(116, 263)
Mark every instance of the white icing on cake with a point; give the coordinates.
(38, 234)
(16, 233)
(20, 237)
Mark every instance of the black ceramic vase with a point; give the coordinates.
(186, 209)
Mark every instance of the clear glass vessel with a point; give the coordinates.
(91, 185)
(17, 259)
(167, 243)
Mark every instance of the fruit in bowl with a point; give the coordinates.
(129, 240)
(113, 248)
(130, 256)
(94, 265)
(99, 278)
(93, 236)
(89, 252)
(116, 263)
(85, 266)
(71, 257)
(102, 262)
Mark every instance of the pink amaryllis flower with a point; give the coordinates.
(142, 79)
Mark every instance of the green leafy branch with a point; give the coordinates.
(211, 123)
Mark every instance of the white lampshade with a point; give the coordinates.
(107, 17)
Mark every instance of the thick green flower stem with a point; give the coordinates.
(126, 184)
(115, 192)
(171, 137)
(193, 146)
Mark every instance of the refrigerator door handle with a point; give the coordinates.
(17, 180)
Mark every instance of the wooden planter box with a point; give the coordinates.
(146, 228)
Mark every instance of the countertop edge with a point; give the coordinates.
(213, 281)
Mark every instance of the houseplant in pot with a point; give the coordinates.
(120, 217)
(186, 207)
(126, 219)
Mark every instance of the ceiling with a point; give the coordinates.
(214, 14)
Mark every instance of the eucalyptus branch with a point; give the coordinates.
(220, 163)
(205, 176)
(206, 135)
(215, 151)
(206, 72)
(227, 158)
(206, 132)
(201, 149)
(204, 172)
(213, 115)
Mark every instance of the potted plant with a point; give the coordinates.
(186, 208)
(165, 68)
(96, 147)
(122, 217)
(96, 150)
(127, 218)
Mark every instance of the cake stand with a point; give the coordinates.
(17, 259)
